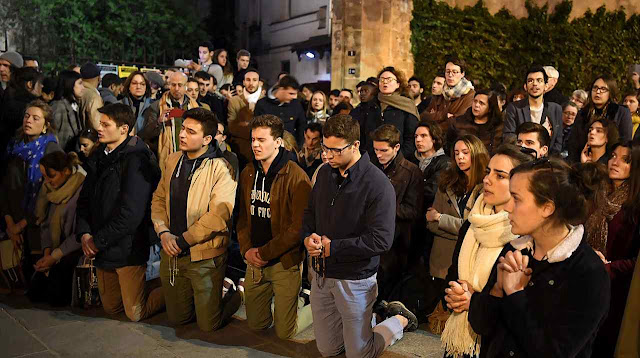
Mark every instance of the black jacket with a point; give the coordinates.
(580, 130)
(555, 96)
(374, 118)
(115, 203)
(292, 115)
(430, 176)
(217, 106)
(11, 115)
(357, 214)
(556, 315)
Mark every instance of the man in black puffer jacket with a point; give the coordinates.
(113, 215)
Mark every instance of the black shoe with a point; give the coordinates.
(397, 308)
(305, 294)
(380, 309)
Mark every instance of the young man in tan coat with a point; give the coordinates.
(191, 213)
(274, 192)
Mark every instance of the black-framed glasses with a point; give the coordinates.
(597, 89)
(335, 151)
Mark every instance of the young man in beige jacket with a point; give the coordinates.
(191, 213)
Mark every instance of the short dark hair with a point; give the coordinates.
(532, 127)
(360, 84)
(456, 61)
(288, 82)
(243, 53)
(49, 84)
(251, 69)
(435, 131)
(613, 135)
(192, 79)
(110, 79)
(342, 126)
(347, 90)
(314, 127)
(342, 106)
(386, 133)
(225, 87)
(272, 122)
(24, 75)
(202, 75)
(206, 44)
(207, 120)
(90, 134)
(335, 93)
(120, 113)
(414, 78)
(536, 69)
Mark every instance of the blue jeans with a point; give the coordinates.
(343, 318)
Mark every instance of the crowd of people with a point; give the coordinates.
(507, 222)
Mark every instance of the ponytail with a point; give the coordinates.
(59, 161)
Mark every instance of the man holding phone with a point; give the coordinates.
(163, 119)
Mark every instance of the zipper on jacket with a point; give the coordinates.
(333, 201)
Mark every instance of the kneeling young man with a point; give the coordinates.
(348, 224)
(191, 213)
(274, 191)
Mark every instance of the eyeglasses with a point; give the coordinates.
(335, 151)
(452, 72)
(388, 79)
(569, 114)
(141, 84)
(597, 89)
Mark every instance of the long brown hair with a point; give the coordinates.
(324, 100)
(631, 206)
(455, 179)
(227, 67)
(127, 84)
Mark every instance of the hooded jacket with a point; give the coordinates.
(114, 204)
(292, 115)
(288, 190)
(107, 95)
(194, 201)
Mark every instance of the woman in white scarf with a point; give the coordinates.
(480, 242)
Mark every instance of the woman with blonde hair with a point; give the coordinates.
(317, 110)
(458, 188)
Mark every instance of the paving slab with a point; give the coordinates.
(15, 340)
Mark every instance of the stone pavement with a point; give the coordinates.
(38, 331)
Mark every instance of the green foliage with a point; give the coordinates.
(501, 47)
(62, 32)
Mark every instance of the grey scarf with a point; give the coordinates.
(424, 162)
(463, 87)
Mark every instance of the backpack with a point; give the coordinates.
(411, 292)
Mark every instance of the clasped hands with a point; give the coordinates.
(314, 244)
(513, 274)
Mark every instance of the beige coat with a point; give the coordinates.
(210, 203)
(445, 231)
(89, 104)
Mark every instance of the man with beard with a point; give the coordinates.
(535, 109)
(416, 90)
(241, 110)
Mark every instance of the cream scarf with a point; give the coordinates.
(482, 245)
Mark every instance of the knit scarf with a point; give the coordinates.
(397, 101)
(168, 140)
(597, 224)
(482, 245)
(424, 162)
(58, 197)
(463, 87)
(31, 152)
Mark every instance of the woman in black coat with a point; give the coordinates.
(549, 291)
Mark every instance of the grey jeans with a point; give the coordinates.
(343, 318)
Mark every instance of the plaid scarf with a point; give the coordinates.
(463, 87)
(597, 224)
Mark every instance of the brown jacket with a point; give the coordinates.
(289, 197)
(239, 116)
(491, 136)
(209, 206)
(439, 109)
(445, 231)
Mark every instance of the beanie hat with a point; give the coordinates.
(13, 57)
(89, 71)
